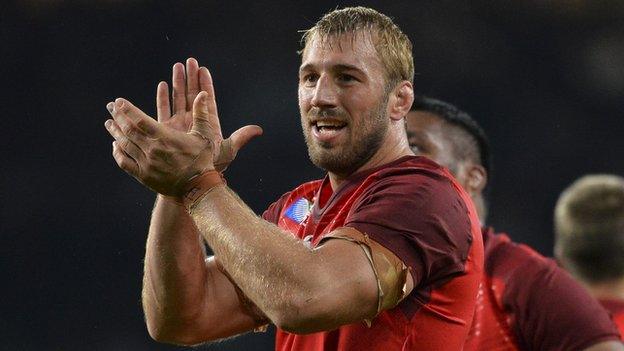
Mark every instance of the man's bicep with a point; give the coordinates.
(424, 221)
(379, 279)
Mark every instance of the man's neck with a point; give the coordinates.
(386, 154)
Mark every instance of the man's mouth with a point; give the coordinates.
(327, 131)
(328, 125)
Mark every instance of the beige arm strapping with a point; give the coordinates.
(391, 273)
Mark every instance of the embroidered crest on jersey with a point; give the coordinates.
(299, 210)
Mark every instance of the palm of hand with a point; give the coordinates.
(180, 121)
(187, 83)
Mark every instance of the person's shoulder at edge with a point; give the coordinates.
(505, 257)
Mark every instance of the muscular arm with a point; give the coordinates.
(185, 296)
(300, 290)
(183, 291)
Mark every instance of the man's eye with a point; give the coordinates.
(346, 78)
(310, 78)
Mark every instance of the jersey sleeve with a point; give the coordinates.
(421, 218)
(552, 311)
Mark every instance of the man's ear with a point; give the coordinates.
(400, 100)
(477, 178)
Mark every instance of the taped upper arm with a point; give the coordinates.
(392, 280)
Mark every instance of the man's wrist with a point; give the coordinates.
(197, 187)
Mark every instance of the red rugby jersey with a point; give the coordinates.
(414, 208)
(616, 308)
(527, 302)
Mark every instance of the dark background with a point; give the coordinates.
(544, 78)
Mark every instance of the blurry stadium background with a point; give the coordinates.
(544, 78)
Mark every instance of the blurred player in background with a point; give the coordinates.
(589, 227)
(384, 253)
(525, 301)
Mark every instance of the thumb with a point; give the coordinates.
(230, 146)
(201, 116)
(243, 135)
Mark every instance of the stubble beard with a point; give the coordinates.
(361, 145)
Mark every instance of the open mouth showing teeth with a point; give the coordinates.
(328, 125)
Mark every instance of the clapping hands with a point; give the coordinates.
(165, 154)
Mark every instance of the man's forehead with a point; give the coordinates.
(354, 47)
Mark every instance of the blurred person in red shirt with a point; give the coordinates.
(589, 241)
(525, 301)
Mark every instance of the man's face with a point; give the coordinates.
(342, 101)
(429, 136)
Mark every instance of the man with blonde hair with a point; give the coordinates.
(589, 242)
(384, 253)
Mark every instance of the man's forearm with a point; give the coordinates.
(268, 264)
(175, 276)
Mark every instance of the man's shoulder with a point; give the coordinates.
(535, 297)
(520, 272)
(412, 165)
(538, 296)
(505, 258)
(414, 173)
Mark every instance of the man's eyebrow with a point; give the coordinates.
(306, 67)
(339, 67)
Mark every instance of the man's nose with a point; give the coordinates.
(324, 92)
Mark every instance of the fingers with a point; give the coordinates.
(163, 109)
(126, 145)
(230, 146)
(192, 81)
(178, 80)
(205, 118)
(208, 87)
(243, 135)
(124, 161)
(201, 118)
(205, 80)
(132, 120)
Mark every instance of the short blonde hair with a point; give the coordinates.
(392, 45)
(589, 228)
